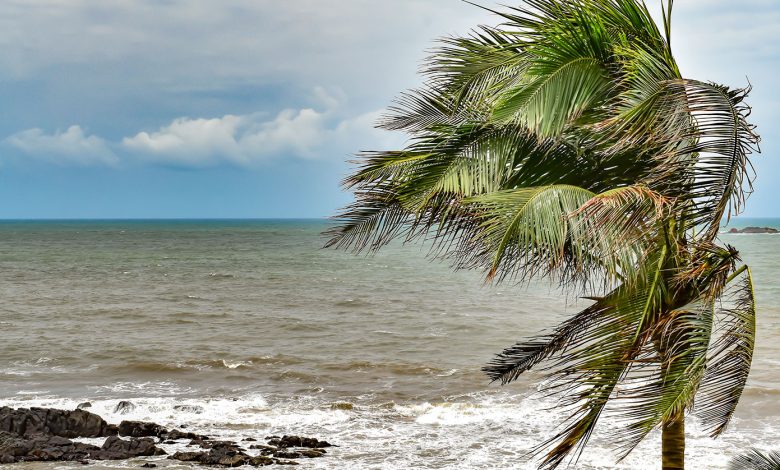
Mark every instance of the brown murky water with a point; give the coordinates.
(264, 332)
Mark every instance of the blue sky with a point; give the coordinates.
(250, 108)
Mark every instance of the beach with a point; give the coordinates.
(260, 331)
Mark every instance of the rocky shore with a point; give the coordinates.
(45, 434)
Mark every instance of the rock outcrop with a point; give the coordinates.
(755, 230)
(46, 421)
(43, 434)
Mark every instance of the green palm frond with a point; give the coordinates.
(730, 359)
(702, 141)
(756, 460)
(588, 373)
(526, 228)
(663, 389)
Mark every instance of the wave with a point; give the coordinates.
(216, 275)
(482, 430)
(200, 365)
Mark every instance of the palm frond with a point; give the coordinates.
(756, 460)
(730, 360)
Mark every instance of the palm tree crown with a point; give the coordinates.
(566, 144)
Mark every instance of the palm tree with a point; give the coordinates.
(565, 144)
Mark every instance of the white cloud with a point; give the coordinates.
(247, 139)
(72, 146)
(186, 140)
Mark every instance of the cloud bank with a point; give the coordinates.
(242, 140)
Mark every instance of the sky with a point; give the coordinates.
(252, 108)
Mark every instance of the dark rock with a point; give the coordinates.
(207, 444)
(230, 459)
(118, 449)
(222, 456)
(312, 453)
(261, 461)
(40, 434)
(345, 406)
(42, 448)
(63, 423)
(189, 409)
(124, 407)
(249, 439)
(169, 442)
(149, 465)
(225, 456)
(176, 434)
(84, 405)
(297, 441)
(141, 429)
(755, 230)
(265, 450)
(188, 456)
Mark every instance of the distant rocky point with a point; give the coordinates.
(754, 230)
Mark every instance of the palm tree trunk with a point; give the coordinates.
(673, 443)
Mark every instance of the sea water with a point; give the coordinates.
(261, 331)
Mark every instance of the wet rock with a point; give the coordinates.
(261, 461)
(47, 421)
(297, 441)
(312, 453)
(188, 456)
(222, 456)
(40, 434)
(118, 449)
(249, 439)
(15, 448)
(124, 407)
(226, 457)
(141, 429)
(264, 450)
(207, 444)
(195, 409)
(149, 465)
(230, 459)
(85, 405)
(169, 442)
(176, 434)
(344, 406)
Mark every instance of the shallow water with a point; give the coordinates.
(267, 333)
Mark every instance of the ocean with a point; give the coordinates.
(263, 332)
